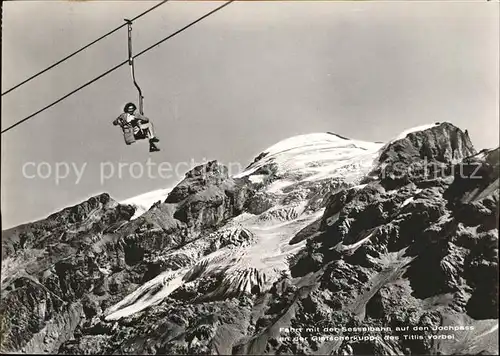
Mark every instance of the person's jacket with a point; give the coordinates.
(137, 119)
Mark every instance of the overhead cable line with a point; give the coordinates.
(81, 49)
(118, 66)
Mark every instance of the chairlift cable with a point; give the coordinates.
(117, 66)
(81, 49)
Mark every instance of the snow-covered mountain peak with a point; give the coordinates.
(296, 142)
(312, 157)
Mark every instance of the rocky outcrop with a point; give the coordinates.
(207, 197)
(422, 155)
(97, 214)
(47, 267)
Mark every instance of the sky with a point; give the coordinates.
(234, 84)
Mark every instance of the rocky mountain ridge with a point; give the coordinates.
(319, 231)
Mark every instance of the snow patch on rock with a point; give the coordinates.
(405, 133)
(143, 202)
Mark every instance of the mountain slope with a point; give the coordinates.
(319, 231)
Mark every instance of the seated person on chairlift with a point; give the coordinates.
(140, 124)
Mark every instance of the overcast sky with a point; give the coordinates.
(232, 85)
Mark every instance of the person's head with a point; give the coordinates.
(129, 108)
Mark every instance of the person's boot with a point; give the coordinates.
(154, 139)
(152, 146)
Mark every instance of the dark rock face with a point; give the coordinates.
(207, 197)
(417, 251)
(443, 143)
(473, 198)
(423, 154)
(47, 268)
(97, 214)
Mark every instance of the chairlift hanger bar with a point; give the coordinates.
(131, 64)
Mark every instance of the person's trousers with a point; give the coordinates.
(147, 128)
